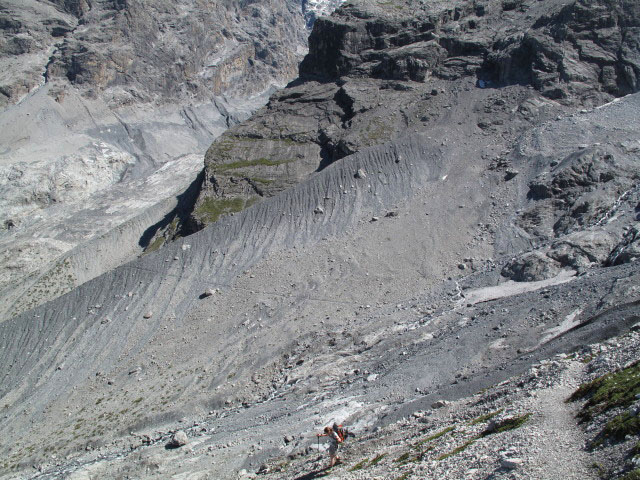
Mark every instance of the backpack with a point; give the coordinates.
(342, 432)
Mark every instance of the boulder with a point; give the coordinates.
(178, 439)
(627, 250)
(510, 463)
(531, 267)
(581, 249)
(439, 404)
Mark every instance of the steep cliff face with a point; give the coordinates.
(189, 51)
(376, 71)
(155, 51)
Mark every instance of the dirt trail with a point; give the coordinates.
(555, 453)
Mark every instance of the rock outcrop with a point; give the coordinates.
(376, 72)
(144, 51)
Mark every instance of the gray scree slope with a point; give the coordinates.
(494, 234)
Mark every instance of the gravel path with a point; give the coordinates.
(556, 453)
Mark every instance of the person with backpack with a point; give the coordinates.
(342, 431)
(334, 441)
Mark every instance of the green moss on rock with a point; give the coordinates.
(211, 209)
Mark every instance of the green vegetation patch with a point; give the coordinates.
(484, 418)
(155, 245)
(211, 209)
(435, 436)
(405, 475)
(377, 459)
(265, 162)
(402, 458)
(263, 181)
(221, 148)
(622, 425)
(507, 424)
(632, 475)
(359, 465)
(376, 131)
(457, 450)
(615, 389)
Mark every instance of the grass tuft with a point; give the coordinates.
(507, 424)
(485, 417)
(615, 389)
(359, 465)
(435, 436)
(457, 450)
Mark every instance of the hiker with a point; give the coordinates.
(334, 440)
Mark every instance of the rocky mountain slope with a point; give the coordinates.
(446, 237)
(375, 73)
(108, 107)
